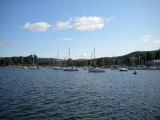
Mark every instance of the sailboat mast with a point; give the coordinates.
(57, 54)
(52, 62)
(22, 60)
(153, 58)
(69, 53)
(91, 59)
(33, 59)
(94, 58)
(49, 62)
(145, 57)
(94, 53)
(57, 57)
(113, 60)
(69, 57)
(139, 58)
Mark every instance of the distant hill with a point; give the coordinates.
(134, 58)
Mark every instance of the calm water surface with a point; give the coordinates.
(46, 94)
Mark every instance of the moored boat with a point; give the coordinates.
(96, 69)
(134, 72)
(33, 67)
(123, 69)
(71, 69)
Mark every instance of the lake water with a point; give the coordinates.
(46, 94)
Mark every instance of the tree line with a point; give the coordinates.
(134, 58)
(24, 61)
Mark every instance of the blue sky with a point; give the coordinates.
(113, 27)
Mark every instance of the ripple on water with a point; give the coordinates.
(48, 94)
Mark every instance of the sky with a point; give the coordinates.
(50, 27)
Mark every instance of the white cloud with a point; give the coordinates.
(37, 27)
(88, 23)
(66, 39)
(146, 38)
(63, 25)
(157, 41)
(83, 23)
(2, 43)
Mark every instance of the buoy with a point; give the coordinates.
(134, 72)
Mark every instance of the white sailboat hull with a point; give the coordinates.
(71, 69)
(96, 70)
(123, 69)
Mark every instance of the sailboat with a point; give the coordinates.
(113, 65)
(70, 68)
(22, 65)
(33, 66)
(95, 69)
(57, 68)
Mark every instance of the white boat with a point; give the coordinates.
(71, 69)
(95, 69)
(57, 61)
(57, 67)
(33, 67)
(25, 67)
(123, 69)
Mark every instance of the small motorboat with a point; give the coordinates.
(134, 72)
